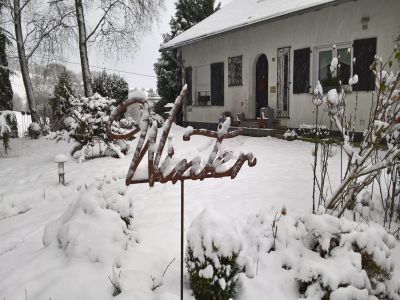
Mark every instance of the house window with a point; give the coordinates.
(209, 84)
(203, 85)
(235, 71)
(330, 80)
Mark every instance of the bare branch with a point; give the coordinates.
(102, 19)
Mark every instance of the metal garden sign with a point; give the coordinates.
(195, 169)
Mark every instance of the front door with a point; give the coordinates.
(283, 62)
(261, 83)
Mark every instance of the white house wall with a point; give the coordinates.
(327, 26)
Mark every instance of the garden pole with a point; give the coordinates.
(182, 230)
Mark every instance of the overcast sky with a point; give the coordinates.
(145, 58)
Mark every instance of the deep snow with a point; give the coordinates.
(31, 198)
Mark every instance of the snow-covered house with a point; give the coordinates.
(270, 53)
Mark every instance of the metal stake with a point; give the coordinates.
(182, 231)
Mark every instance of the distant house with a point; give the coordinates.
(270, 53)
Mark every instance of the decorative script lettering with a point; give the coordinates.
(196, 169)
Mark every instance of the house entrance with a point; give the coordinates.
(261, 83)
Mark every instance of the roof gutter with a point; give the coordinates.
(254, 23)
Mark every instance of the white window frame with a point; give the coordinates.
(319, 49)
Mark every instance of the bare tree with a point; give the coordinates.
(37, 27)
(119, 26)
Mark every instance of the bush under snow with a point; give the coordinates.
(328, 257)
(346, 260)
(213, 257)
(87, 126)
(34, 130)
(94, 227)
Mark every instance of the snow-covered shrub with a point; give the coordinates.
(370, 166)
(87, 126)
(324, 256)
(290, 135)
(5, 136)
(11, 120)
(5, 131)
(345, 260)
(34, 130)
(7, 120)
(312, 131)
(45, 130)
(93, 227)
(213, 256)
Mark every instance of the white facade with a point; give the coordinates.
(318, 29)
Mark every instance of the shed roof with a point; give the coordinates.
(242, 13)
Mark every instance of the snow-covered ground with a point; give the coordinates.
(77, 255)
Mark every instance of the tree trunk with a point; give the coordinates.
(23, 62)
(86, 76)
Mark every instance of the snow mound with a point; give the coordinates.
(34, 126)
(213, 235)
(347, 260)
(95, 226)
(213, 256)
(328, 257)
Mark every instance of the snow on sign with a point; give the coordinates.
(220, 163)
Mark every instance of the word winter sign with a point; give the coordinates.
(212, 167)
(220, 163)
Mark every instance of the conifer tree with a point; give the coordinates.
(169, 72)
(112, 86)
(6, 92)
(60, 104)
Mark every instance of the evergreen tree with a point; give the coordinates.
(169, 72)
(189, 13)
(112, 86)
(63, 88)
(6, 92)
(169, 76)
(60, 104)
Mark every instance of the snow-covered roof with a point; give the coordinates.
(241, 13)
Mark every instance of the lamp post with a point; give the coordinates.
(60, 159)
